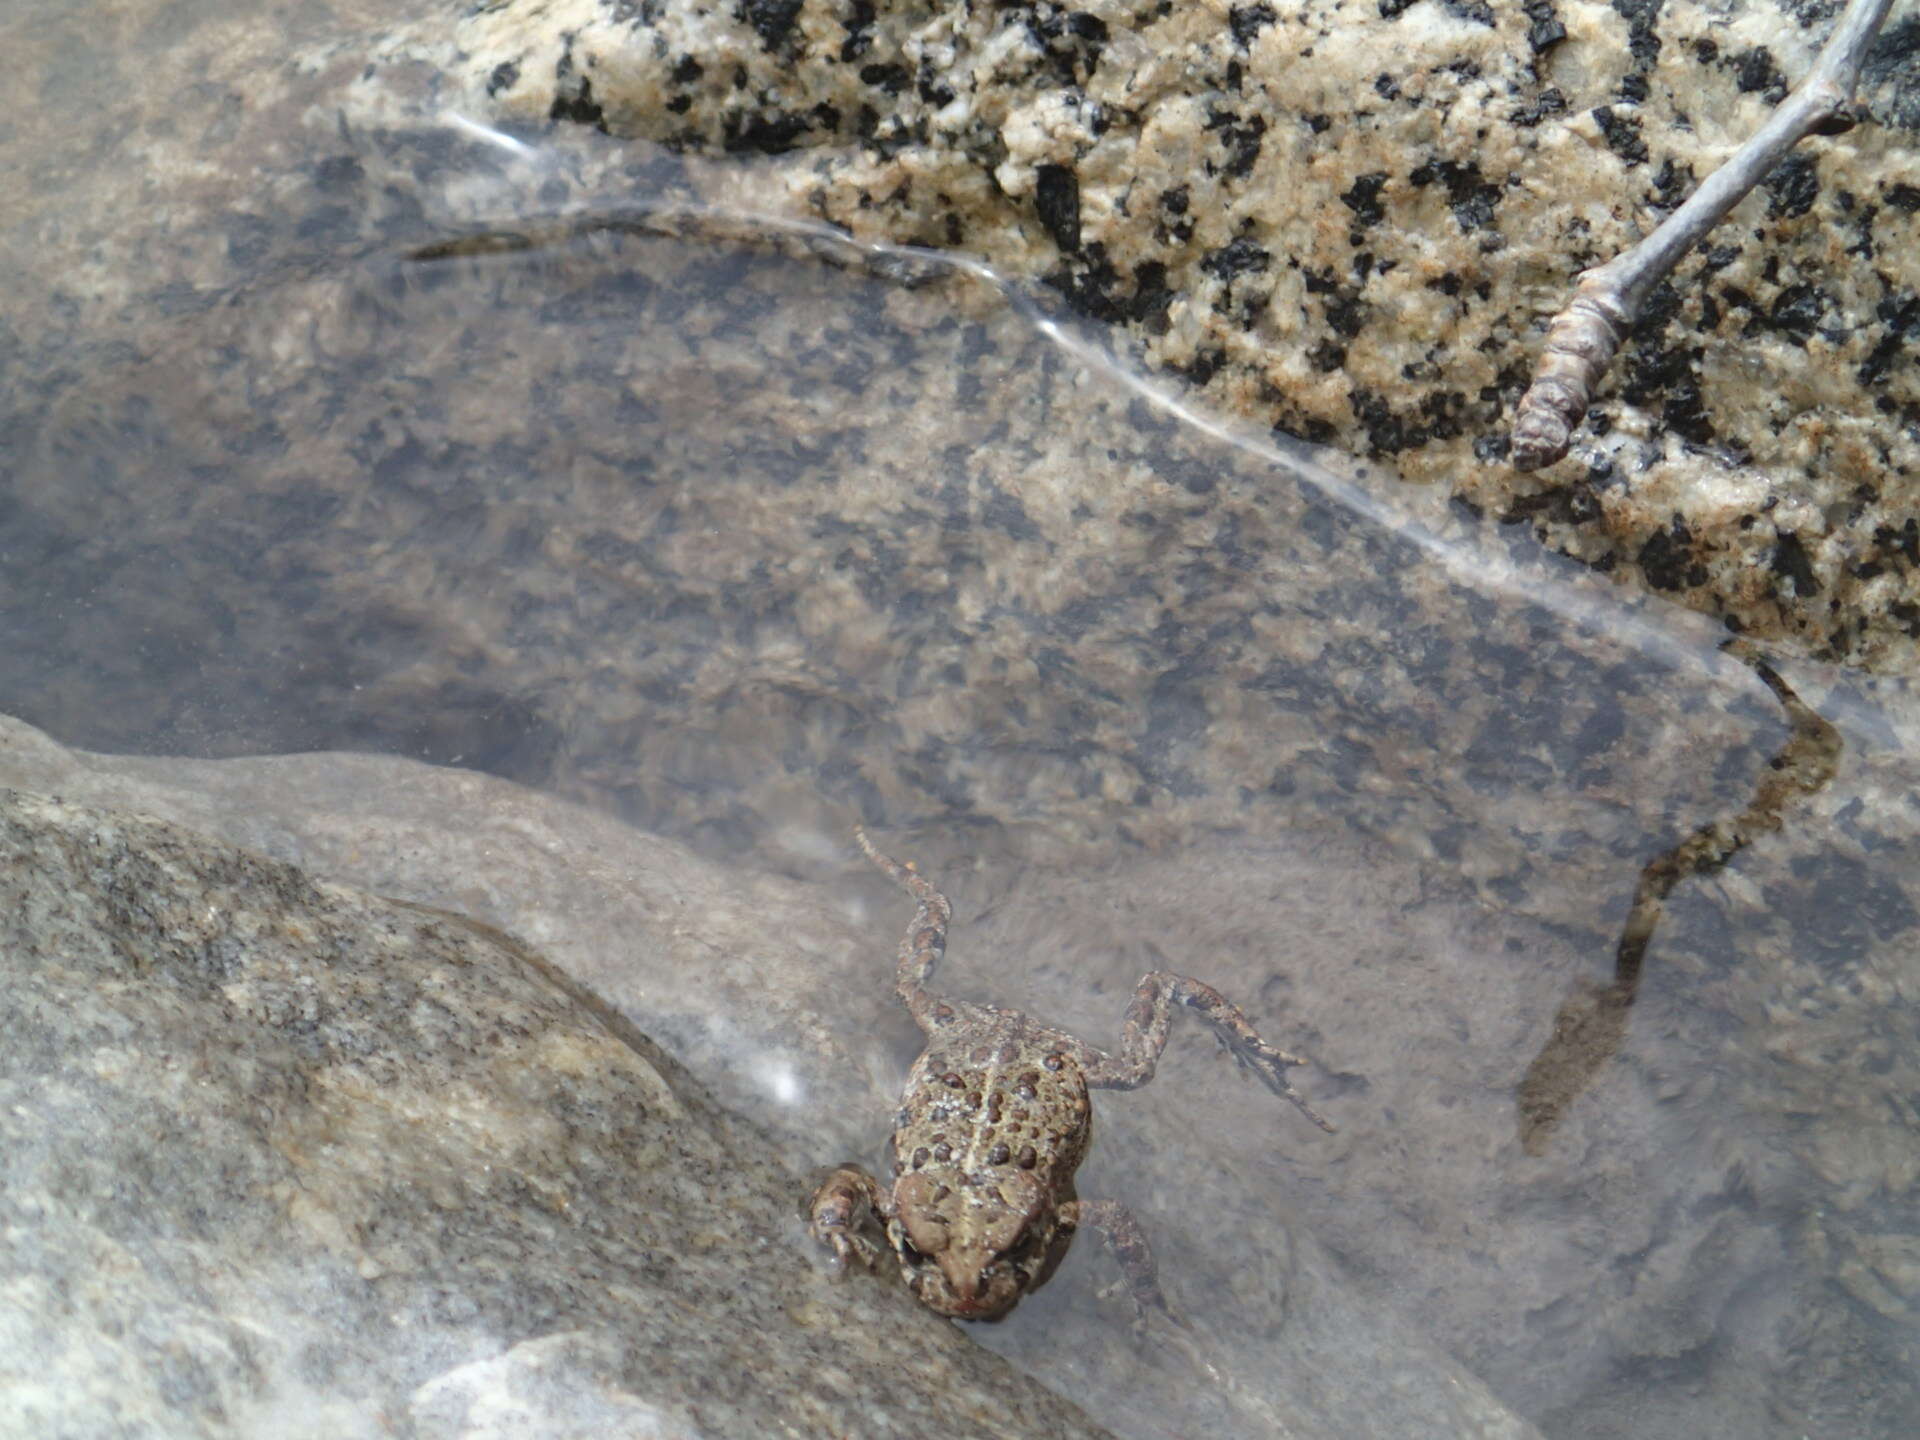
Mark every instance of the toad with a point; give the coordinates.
(996, 1118)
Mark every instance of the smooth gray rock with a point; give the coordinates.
(286, 1159)
(539, 1184)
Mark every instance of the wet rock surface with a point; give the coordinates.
(285, 1157)
(1724, 1198)
(747, 541)
(1350, 221)
(286, 1145)
(331, 426)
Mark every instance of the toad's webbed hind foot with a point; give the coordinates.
(1127, 1243)
(1143, 1037)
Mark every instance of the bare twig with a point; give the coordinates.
(1608, 298)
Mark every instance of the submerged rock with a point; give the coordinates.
(284, 1158)
(283, 1154)
(1351, 222)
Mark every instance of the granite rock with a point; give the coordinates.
(328, 427)
(1350, 221)
(749, 543)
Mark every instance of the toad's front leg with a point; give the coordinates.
(835, 1212)
(1144, 1035)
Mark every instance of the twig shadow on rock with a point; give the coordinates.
(1591, 1023)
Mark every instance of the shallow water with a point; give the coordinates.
(523, 461)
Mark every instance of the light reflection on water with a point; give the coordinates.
(745, 532)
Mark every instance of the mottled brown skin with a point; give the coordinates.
(995, 1120)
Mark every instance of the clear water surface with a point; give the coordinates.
(518, 456)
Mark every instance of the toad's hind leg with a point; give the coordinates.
(926, 938)
(1128, 1242)
(1144, 1035)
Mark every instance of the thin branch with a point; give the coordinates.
(1608, 299)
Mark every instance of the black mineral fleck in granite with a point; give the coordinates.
(1247, 21)
(579, 107)
(1387, 432)
(1796, 311)
(859, 26)
(1901, 315)
(1672, 184)
(1667, 559)
(1622, 134)
(1241, 140)
(1893, 71)
(772, 20)
(1544, 29)
(1326, 356)
(1793, 186)
(1346, 312)
(1239, 257)
(1056, 197)
(1643, 44)
(1093, 285)
(1363, 198)
(1755, 71)
(1549, 102)
(1471, 197)
(1152, 297)
(762, 134)
(1790, 562)
(892, 79)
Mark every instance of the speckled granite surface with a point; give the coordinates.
(1350, 219)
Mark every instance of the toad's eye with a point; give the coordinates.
(1025, 1247)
